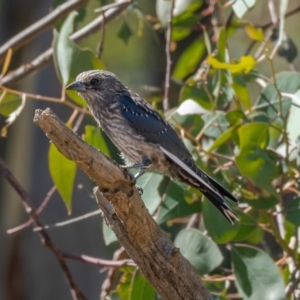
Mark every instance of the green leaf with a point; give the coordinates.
(175, 205)
(240, 7)
(63, 48)
(12, 115)
(94, 136)
(203, 254)
(109, 236)
(235, 116)
(255, 237)
(184, 9)
(224, 137)
(215, 123)
(262, 201)
(257, 276)
(179, 34)
(189, 59)
(135, 286)
(241, 91)
(62, 171)
(287, 82)
(253, 160)
(70, 60)
(292, 210)
(150, 183)
(9, 103)
(200, 93)
(247, 226)
(217, 225)
(124, 33)
(293, 120)
(222, 45)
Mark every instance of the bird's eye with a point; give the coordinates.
(95, 81)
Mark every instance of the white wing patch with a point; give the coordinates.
(187, 169)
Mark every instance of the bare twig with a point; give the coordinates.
(46, 57)
(38, 27)
(293, 284)
(108, 283)
(169, 60)
(282, 11)
(71, 221)
(38, 211)
(53, 189)
(45, 98)
(45, 238)
(100, 44)
(149, 247)
(273, 14)
(98, 261)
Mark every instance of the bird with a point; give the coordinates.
(145, 139)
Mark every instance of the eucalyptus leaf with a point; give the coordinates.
(203, 254)
(254, 160)
(62, 171)
(189, 59)
(216, 224)
(175, 205)
(9, 103)
(150, 183)
(257, 276)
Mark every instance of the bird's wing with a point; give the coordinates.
(156, 130)
(152, 126)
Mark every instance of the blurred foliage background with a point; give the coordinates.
(234, 99)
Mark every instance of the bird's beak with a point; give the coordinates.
(76, 86)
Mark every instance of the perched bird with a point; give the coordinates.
(143, 136)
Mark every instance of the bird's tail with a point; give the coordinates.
(187, 171)
(216, 196)
(211, 189)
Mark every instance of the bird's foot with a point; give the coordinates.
(127, 169)
(140, 190)
(133, 179)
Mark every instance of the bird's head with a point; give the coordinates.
(96, 83)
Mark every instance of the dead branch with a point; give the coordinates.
(158, 259)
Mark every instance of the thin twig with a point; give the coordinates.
(108, 283)
(282, 9)
(99, 261)
(293, 284)
(68, 222)
(38, 211)
(169, 60)
(53, 189)
(273, 14)
(38, 27)
(100, 45)
(46, 57)
(45, 238)
(45, 98)
(279, 239)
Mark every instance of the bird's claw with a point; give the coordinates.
(127, 170)
(133, 179)
(140, 190)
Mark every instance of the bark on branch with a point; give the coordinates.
(159, 260)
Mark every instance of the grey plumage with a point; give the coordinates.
(143, 136)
